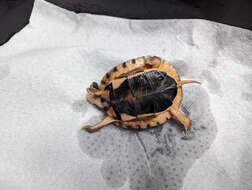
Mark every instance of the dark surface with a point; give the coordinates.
(233, 12)
(150, 92)
(14, 14)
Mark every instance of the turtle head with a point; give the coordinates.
(94, 89)
(94, 94)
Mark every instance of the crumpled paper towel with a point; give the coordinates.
(46, 68)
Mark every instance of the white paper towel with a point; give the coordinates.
(46, 68)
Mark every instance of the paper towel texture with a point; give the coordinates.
(46, 68)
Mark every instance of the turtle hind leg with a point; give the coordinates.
(98, 126)
(181, 118)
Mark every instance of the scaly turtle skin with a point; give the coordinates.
(140, 93)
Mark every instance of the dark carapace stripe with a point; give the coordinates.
(115, 69)
(124, 64)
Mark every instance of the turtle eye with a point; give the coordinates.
(160, 77)
(95, 85)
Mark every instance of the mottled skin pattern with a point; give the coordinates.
(99, 94)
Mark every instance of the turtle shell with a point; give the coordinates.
(138, 93)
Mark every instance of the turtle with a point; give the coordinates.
(140, 93)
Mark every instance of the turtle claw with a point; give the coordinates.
(89, 128)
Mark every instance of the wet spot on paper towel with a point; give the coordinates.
(248, 81)
(156, 158)
(80, 106)
(150, 27)
(220, 39)
(180, 66)
(247, 95)
(4, 71)
(239, 48)
(213, 64)
(212, 83)
(187, 36)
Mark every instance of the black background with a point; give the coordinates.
(14, 14)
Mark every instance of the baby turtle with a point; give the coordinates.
(138, 94)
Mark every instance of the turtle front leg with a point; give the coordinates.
(181, 117)
(98, 126)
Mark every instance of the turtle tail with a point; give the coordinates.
(180, 83)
